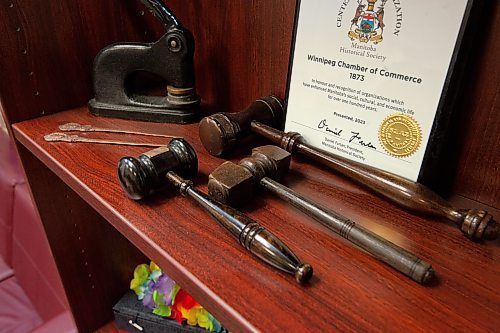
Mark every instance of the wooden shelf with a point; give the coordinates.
(110, 328)
(350, 290)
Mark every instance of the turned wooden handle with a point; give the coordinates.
(476, 224)
(382, 249)
(251, 235)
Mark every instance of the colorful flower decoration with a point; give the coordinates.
(159, 292)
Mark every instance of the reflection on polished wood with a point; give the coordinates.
(350, 290)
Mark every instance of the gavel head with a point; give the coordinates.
(478, 225)
(220, 132)
(140, 177)
(234, 184)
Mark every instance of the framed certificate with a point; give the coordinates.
(370, 79)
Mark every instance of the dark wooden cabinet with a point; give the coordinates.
(97, 235)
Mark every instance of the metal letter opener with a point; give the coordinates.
(63, 137)
(75, 127)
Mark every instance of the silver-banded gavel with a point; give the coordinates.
(141, 177)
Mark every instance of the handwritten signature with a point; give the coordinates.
(359, 140)
(355, 136)
(323, 124)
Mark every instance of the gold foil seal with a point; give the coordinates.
(400, 135)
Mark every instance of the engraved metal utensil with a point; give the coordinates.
(63, 137)
(75, 127)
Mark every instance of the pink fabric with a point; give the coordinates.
(10, 176)
(32, 259)
(63, 323)
(5, 270)
(6, 206)
(17, 314)
(35, 293)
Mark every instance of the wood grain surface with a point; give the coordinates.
(242, 52)
(109, 328)
(351, 291)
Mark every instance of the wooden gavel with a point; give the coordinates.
(220, 132)
(235, 184)
(141, 177)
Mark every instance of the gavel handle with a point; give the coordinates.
(476, 224)
(252, 236)
(381, 248)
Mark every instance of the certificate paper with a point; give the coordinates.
(367, 77)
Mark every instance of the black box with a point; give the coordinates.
(131, 315)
